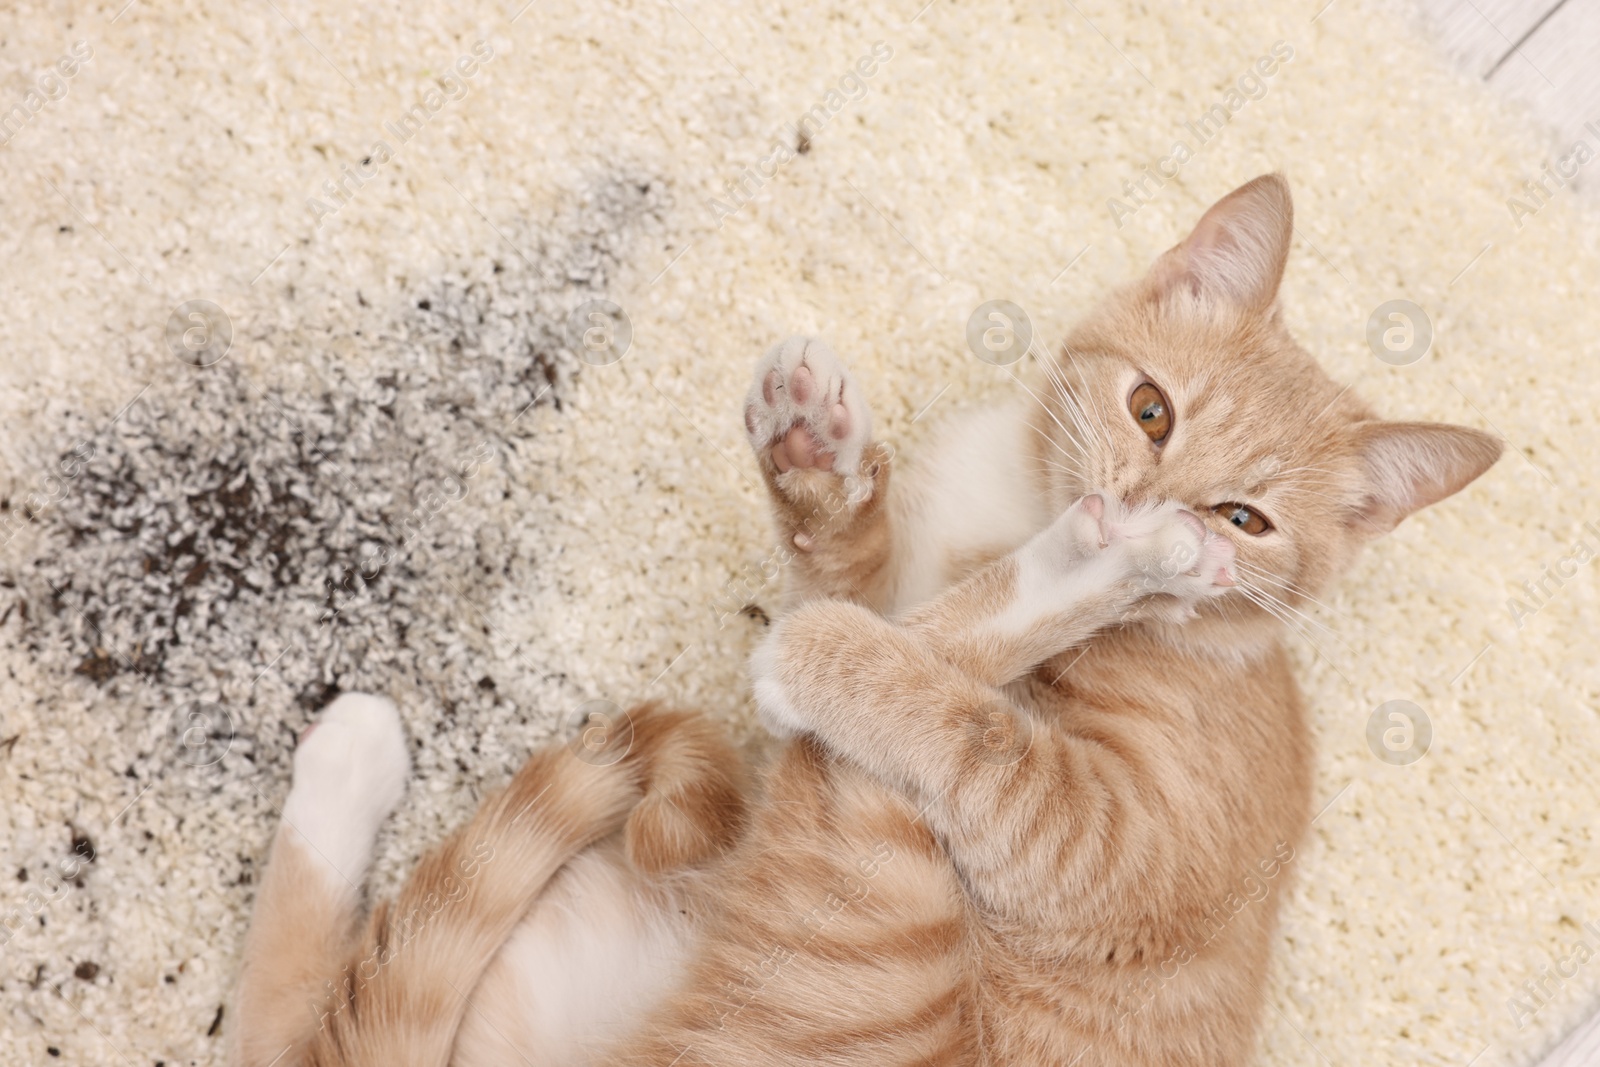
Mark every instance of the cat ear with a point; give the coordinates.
(1410, 465)
(1237, 251)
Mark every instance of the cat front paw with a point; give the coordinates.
(1163, 559)
(1175, 560)
(808, 424)
(774, 708)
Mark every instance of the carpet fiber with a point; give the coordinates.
(382, 464)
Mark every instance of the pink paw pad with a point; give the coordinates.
(799, 449)
(801, 384)
(804, 413)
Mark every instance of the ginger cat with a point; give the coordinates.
(1046, 771)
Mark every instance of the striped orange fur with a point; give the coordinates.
(1045, 771)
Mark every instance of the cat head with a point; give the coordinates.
(1187, 386)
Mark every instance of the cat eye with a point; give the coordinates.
(1149, 406)
(1245, 517)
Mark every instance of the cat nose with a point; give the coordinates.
(1136, 497)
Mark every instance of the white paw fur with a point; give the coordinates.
(801, 382)
(773, 707)
(1153, 550)
(1174, 552)
(349, 773)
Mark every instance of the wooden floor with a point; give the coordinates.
(1543, 53)
(1580, 1049)
(1546, 55)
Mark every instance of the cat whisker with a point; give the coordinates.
(1054, 377)
(1080, 418)
(1287, 607)
(1288, 587)
(1288, 612)
(1056, 468)
(1073, 404)
(1053, 443)
(1256, 597)
(1047, 411)
(1272, 580)
(1266, 605)
(1077, 460)
(1094, 410)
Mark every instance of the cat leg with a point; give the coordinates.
(925, 716)
(811, 431)
(1098, 564)
(610, 936)
(414, 975)
(349, 773)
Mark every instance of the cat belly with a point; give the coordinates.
(970, 498)
(597, 952)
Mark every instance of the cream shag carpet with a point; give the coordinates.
(401, 478)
